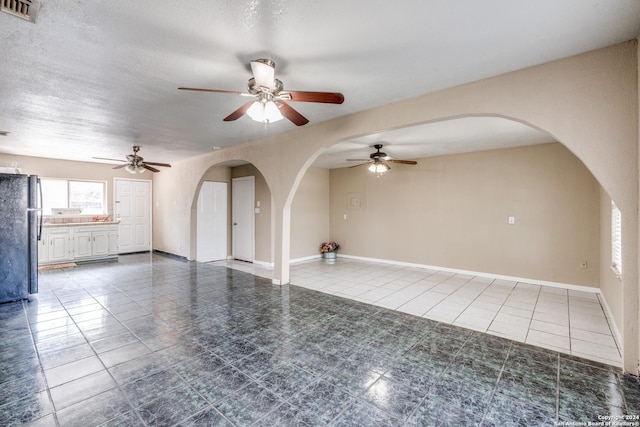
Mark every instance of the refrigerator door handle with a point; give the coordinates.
(40, 208)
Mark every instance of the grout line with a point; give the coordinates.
(532, 313)
(558, 389)
(569, 322)
(97, 355)
(35, 347)
(495, 387)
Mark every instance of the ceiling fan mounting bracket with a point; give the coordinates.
(254, 89)
(378, 154)
(267, 61)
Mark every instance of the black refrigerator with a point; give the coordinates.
(20, 230)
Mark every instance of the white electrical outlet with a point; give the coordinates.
(512, 220)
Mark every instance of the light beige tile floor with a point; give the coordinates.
(568, 321)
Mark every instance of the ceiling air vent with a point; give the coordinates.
(25, 9)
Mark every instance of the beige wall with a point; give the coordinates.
(53, 168)
(452, 211)
(310, 214)
(636, 178)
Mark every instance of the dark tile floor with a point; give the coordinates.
(151, 340)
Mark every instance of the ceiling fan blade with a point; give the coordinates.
(404, 162)
(239, 112)
(361, 164)
(291, 114)
(104, 158)
(120, 166)
(324, 97)
(149, 168)
(358, 160)
(166, 165)
(232, 92)
(264, 72)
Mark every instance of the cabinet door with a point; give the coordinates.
(43, 248)
(82, 244)
(59, 246)
(113, 242)
(100, 244)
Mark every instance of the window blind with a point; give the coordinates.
(616, 239)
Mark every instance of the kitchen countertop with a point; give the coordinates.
(79, 224)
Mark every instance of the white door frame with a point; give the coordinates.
(115, 205)
(253, 218)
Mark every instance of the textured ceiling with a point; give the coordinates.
(435, 139)
(94, 77)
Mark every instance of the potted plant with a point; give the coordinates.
(329, 249)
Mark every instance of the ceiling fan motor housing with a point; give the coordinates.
(378, 154)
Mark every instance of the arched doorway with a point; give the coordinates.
(261, 234)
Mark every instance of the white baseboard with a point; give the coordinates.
(479, 273)
(303, 259)
(608, 313)
(617, 336)
(265, 264)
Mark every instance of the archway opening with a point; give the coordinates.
(498, 198)
(261, 234)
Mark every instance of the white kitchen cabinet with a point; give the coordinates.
(85, 242)
(58, 246)
(114, 241)
(92, 241)
(100, 244)
(82, 244)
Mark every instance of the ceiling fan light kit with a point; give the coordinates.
(379, 167)
(134, 169)
(379, 161)
(264, 111)
(272, 100)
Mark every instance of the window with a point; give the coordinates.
(616, 239)
(89, 196)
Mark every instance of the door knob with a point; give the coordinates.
(235, 223)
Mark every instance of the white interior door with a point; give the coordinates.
(212, 222)
(242, 196)
(133, 209)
